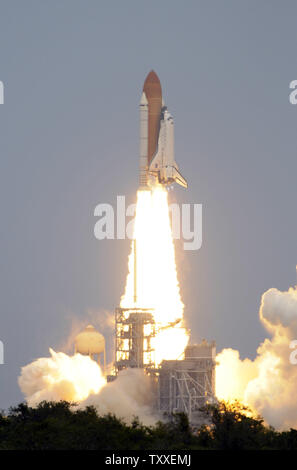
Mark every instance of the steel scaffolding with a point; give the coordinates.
(187, 385)
(134, 330)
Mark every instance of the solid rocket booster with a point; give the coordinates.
(143, 153)
(157, 161)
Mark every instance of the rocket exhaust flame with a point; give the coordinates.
(152, 269)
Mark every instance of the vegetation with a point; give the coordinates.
(62, 426)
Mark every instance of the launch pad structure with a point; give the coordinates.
(189, 384)
(134, 331)
(184, 385)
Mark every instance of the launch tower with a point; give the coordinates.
(188, 384)
(134, 330)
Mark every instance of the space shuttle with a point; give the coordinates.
(157, 163)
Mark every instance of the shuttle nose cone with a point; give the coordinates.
(152, 86)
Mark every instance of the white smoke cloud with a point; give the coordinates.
(79, 379)
(279, 309)
(268, 384)
(233, 375)
(60, 377)
(130, 395)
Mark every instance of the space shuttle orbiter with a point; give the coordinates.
(157, 161)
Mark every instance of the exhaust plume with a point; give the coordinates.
(156, 274)
(268, 384)
(79, 379)
(60, 377)
(128, 396)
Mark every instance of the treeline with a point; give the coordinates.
(60, 425)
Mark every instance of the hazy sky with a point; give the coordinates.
(72, 74)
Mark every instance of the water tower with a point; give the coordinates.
(91, 343)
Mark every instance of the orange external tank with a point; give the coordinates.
(153, 91)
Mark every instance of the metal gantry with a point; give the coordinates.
(183, 385)
(134, 331)
(186, 385)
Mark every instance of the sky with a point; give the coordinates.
(69, 139)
